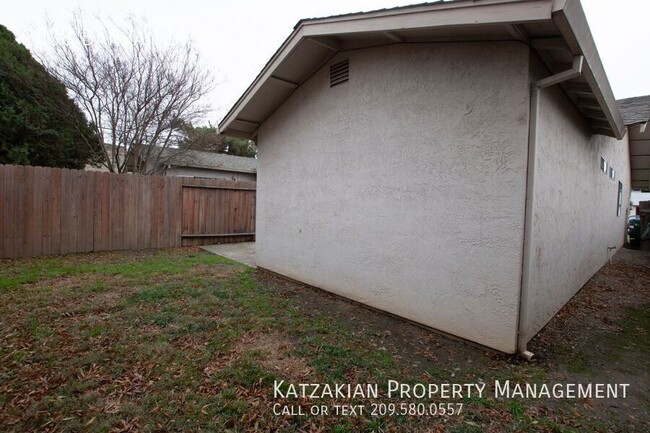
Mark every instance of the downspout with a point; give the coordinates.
(524, 296)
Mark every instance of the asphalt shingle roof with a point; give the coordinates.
(635, 110)
(198, 159)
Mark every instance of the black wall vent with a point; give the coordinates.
(339, 73)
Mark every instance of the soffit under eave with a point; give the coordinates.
(591, 92)
(419, 16)
(639, 147)
(595, 100)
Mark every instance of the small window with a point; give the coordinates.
(612, 173)
(619, 203)
(603, 165)
(339, 73)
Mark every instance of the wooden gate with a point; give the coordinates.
(217, 214)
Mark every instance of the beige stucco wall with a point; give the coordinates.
(404, 188)
(574, 217)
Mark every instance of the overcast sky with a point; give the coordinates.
(236, 38)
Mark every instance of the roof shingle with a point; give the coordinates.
(635, 110)
(210, 160)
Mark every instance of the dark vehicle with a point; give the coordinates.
(634, 230)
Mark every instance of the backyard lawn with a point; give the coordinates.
(182, 340)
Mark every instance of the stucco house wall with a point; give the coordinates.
(411, 187)
(574, 203)
(404, 188)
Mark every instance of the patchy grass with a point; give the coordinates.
(635, 330)
(183, 340)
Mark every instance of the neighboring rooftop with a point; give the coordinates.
(556, 29)
(636, 114)
(635, 110)
(214, 161)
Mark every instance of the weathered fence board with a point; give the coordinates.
(46, 211)
(204, 223)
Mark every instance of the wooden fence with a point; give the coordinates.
(47, 211)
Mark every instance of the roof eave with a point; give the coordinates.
(456, 13)
(570, 19)
(224, 126)
(567, 15)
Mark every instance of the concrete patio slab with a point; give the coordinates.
(243, 252)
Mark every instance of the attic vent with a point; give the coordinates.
(339, 73)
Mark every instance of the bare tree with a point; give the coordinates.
(137, 95)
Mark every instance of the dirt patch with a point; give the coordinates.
(592, 339)
(62, 283)
(214, 271)
(150, 329)
(273, 351)
(108, 300)
(419, 348)
(275, 354)
(599, 335)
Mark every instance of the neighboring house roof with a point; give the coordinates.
(636, 114)
(213, 161)
(556, 29)
(635, 110)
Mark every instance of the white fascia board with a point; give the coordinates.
(460, 14)
(412, 9)
(285, 49)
